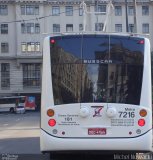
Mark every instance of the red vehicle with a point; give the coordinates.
(30, 103)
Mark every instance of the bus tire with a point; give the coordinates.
(12, 110)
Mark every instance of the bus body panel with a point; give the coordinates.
(146, 92)
(46, 85)
(6, 107)
(77, 123)
(49, 143)
(70, 121)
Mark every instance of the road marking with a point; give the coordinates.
(21, 128)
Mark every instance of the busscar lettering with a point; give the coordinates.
(97, 61)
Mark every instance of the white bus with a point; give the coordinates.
(16, 104)
(12, 104)
(96, 93)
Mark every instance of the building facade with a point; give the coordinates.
(25, 23)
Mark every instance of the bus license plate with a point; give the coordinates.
(97, 131)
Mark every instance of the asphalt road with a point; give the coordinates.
(19, 136)
(19, 140)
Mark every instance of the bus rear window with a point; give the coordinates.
(97, 69)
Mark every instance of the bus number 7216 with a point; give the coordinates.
(126, 114)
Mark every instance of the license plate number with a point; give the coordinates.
(97, 131)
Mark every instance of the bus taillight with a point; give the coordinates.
(52, 122)
(141, 42)
(52, 41)
(50, 112)
(143, 112)
(141, 122)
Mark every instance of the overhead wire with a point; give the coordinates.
(14, 81)
(33, 19)
(22, 20)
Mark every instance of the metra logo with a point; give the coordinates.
(97, 111)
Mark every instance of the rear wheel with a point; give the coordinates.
(12, 110)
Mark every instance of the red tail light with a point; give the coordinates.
(52, 122)
(141, 42)
(52, 41)
(141, 122)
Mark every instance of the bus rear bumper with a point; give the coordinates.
(49, 143)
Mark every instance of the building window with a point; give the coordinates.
(80, 11)
(3, 10)
(30, 46)
(31, 75)
(37, 28)
(145, 28)
(131, 28)
(145, 10)
(29, 9)
(100, 8)
(80, 27)
(130, 10)
(118, 27)
(23, 10)
(55, 10)
(4, 28)
(37, 46)
(30, 28)
(36, 8)
(24, 47)
(4, 47)
(56, 28)
(69, 28)
(23, 28)
(98, 26)
(69, 10)
(5, 75)
(118, 10)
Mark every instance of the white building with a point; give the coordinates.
(24, 22)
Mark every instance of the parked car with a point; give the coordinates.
(20, 109)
